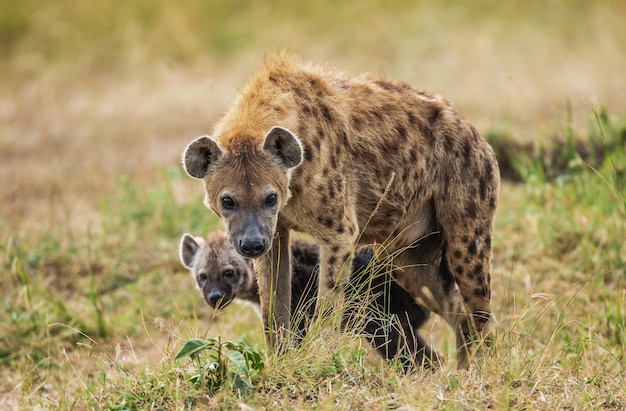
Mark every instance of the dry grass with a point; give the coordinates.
(97, 103)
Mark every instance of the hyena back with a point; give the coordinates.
(350, 159)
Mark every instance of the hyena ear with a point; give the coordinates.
(284, 145)
(189, 247)
(199, 155)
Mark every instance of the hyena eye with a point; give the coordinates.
(228, 273)
(271, 200)
(228, 203)
(203, 277)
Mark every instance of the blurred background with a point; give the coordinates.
(89, 90)
(99, 98)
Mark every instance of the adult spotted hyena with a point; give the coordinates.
(351, 159)
(379, 309)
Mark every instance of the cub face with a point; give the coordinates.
(221, 274)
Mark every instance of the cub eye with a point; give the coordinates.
(203, 277)
(228, 273)
(228, 203)
(271, 200)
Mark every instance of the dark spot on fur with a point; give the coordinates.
(334, 248)
(413, 155)
(332, 260)
(385, 84)
(333, 160)
(326, 113)
(488, 241)
(339, 184)
(457, 254)
(327, 222)
(471, 248)
(471, 209)
(478, 272)
(458, 270)
(325, 172)
(401, 132)
(448, 144)
(467, 151)
(478, 232)
(320, 133)
(316, 145)
(340, 229)
(465, 239)
(483, 189)
(434, 114)
(340, 214)
(343, 137)
(489, 170)
(308, 155)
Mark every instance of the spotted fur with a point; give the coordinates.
(352, 159)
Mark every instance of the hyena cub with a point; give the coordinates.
(391, 317)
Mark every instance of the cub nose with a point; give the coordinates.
(252, 247)
(214, 297)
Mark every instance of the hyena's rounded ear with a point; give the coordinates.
(199, 155)
(284, 145)
(189, 247)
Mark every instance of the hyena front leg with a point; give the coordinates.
(274, 280)
(334, 274)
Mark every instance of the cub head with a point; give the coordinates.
(220, 273)
(246, 183)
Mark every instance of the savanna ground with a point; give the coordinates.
(97, 101)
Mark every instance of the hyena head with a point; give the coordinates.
(246, 184)
(220, 273)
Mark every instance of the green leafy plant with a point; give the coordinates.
(232, 363)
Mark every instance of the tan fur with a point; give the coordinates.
(370, 160)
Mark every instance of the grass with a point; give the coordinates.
(98, 101)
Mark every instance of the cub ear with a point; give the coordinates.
(189, 247)
(284, 145)
(199, 155)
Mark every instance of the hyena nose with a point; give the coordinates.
(252, 247)
(215, 296)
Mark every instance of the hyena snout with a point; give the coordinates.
(215, 297)
(253, 238)
(252, 247)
